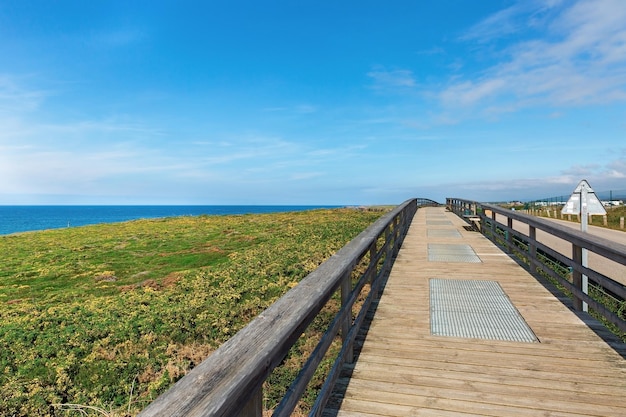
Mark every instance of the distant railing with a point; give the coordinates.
(230, 381)
(566, 270)
(423, 202)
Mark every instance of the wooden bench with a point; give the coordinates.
(473, 220)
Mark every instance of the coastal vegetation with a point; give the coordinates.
(102, 319)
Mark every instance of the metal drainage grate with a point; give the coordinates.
(439, 252)
(443, 233)
(475, 309)
(439, 222)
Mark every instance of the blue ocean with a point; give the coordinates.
(14, 219)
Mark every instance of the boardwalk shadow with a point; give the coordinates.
(610, 338)
(334, 403)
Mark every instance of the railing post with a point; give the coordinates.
(396, 236)
(373, 271)
(254, 407)
(346, 289)
(389, 251)
(577, 276)
(509, 235)
(493, 225)
(532, 249)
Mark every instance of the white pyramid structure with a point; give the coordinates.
(594, 206)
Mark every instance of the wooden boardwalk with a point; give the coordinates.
(404, 370)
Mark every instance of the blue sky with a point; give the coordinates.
(309, 102)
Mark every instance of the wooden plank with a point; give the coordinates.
(403, 370)
(468, 374)
(476, 400)
(439, 407)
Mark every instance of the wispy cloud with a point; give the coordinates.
(617, 168)
(15, 98)
(103, 156)
(106, 126)
(581, 171)
(117, 37)
(470, 92)
(306, 108)
(300, 109)
(37, 156)
(384, 79)
(244, 148)
(518, 17)
(301, 176)
(579, 60)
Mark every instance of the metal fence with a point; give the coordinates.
(612, 197)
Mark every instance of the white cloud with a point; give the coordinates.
(616, 174)
(602, 173)
(578, 58)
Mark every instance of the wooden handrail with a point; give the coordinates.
(229, 382)
(492, 228)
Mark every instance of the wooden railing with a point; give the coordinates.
(496, 223)
(229, 382)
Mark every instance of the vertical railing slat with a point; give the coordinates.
(577, 276)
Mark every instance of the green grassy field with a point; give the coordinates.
(109, 316)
